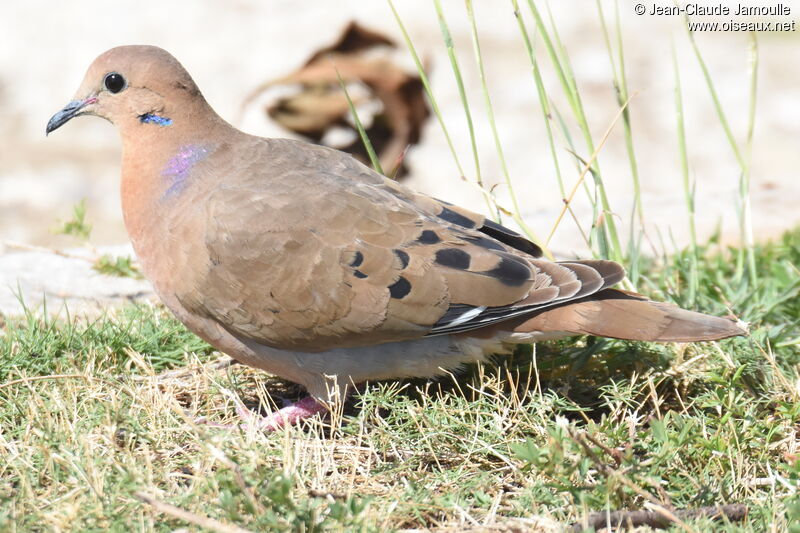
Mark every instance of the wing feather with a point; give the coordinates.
(329, 254)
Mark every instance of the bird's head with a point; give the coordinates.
(134, 87)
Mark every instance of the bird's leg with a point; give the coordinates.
(288, 415)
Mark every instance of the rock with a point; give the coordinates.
(42, 279)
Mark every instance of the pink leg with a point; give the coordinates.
(291, 414)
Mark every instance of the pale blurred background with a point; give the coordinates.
(232, 47)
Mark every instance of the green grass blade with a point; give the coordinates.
(616, 56)
(744, 188)
(373, 157)
(476, 46)
(605, 231)
(544, 101)
(688, 186)
(427, 85)
(745, 253)
(451, 53)
(715, 98)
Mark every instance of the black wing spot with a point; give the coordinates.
(400, 288)
(456, 218)
(357, 260)
(403, 257)
(453, 258)
(428, 237)
(359, 274)
(511, 271)
(510, 237)
(490, 224)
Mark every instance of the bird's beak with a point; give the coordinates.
(71, 110)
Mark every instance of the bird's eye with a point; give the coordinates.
(114, 82)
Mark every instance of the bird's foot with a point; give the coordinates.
(287, 415)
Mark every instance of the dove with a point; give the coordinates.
(298, 260)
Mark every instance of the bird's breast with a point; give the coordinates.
(164, 213)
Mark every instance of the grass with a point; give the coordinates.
(99, 417)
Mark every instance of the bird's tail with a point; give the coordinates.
(628, 315)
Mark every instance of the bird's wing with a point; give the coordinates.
(326, 253)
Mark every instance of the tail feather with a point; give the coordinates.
(627, 315)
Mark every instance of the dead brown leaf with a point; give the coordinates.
(390, 101)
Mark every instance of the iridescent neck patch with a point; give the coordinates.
(178, 169)
(158, 120)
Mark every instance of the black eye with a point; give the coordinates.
(114, 82)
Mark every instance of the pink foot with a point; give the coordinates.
(291, 414)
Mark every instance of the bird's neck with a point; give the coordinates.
(158, 160)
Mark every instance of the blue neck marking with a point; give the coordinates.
(150, 118)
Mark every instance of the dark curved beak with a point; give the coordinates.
(71, 110)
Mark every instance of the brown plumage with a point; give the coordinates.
(301, 261)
